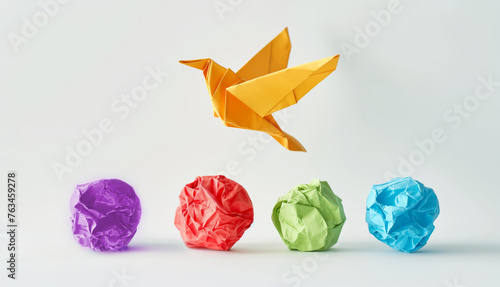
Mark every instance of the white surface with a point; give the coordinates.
(355, 125)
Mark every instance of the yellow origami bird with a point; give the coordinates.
(246, 99)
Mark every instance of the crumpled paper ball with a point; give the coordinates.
(105, 214)
(401, 213)
(214, 212)
(309, 217)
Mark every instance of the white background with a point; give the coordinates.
(356, 126)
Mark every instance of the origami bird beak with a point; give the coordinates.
(200, 64)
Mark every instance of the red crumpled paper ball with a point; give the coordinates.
(214, 212)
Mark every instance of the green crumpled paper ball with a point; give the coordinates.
(309, 217)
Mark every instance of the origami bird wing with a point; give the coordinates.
(273, 57)
(270, 93)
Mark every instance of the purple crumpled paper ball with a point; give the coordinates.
(105, 214)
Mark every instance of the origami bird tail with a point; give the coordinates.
(289, 142)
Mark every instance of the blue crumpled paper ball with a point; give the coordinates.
(401, 213)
